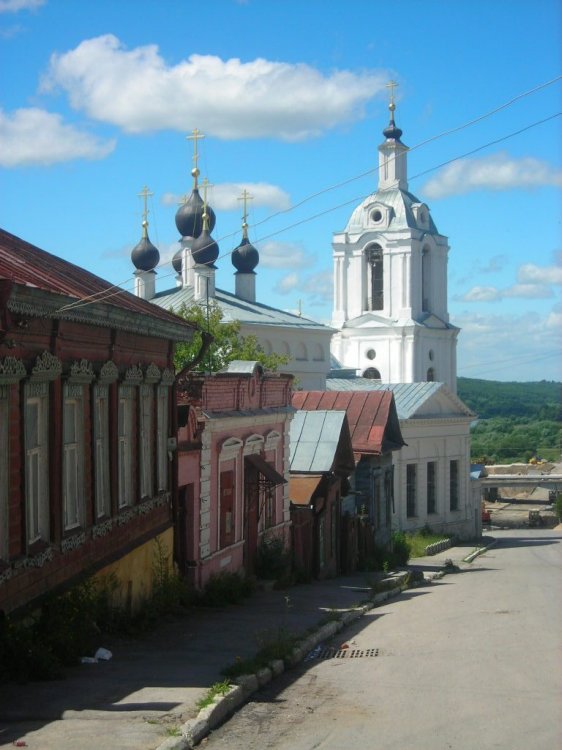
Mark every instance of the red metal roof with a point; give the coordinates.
(371, 415)
(28, 265)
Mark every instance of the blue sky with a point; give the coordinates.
(98, 96)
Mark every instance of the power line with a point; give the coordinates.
(100, 296)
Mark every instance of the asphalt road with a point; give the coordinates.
(471, 661)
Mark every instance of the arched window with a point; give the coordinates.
(426, 279)
(372, 373)
(430, 375)
(375, 283)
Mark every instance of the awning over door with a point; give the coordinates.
(266, 470)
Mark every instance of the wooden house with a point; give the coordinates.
(87, 428)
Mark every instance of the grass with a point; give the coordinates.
(219, 688)
(420, 540)
(277, 646)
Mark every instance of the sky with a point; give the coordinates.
(97, 98)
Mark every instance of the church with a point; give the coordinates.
(305, 342)
(390, 311)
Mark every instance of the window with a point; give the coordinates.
(431, 505)
(372, 373)
(375, 290)
(73, 456)
(4, 463)
(226, 510)
(454, 485)
(162, 436)
(125, 450)
(430, 375)
(426, 279)
(101, 451)
(36, 461)
(146, 440)
(411, 490)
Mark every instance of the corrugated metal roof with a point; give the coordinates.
(408, 396)
(234, 308)
(242, 367)
(29, 266)
(371, 415)
(314, 437)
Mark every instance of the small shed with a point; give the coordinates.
(321, 460)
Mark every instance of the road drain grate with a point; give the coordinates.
(329, 652)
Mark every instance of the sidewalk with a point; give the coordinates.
(142, 698)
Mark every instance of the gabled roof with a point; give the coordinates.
(235, 308)
(36, 270)
(372, 418)
(411, 398)
(320, 440)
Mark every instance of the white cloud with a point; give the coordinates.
(226, 196)
(532, 274)
(287, 284)
(35, 137)
(482, 294)
(284, 255)
(525, 347)
(534, 282)
(319, 287)
(14, 6)
(496, 172)
(137, 91)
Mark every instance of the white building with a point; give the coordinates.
(390, 306)
(390, 282)
(432, 484)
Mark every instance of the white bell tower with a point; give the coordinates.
(390, 281)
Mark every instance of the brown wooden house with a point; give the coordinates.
(87, 428)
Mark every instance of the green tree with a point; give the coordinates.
(228, 343)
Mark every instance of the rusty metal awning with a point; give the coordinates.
(266, 470)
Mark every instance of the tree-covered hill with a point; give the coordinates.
(493, 398)
(516, 421)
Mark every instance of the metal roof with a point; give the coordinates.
(400, 202)
(372, 418)
(28, 266)
(409, 397)
(235, 308)
(314, 438)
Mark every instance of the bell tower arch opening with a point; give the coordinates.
(375, 277)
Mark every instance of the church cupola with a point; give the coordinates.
(245, 258)
(393, 171)
(204, 252)
(189, 220)
(145, 257)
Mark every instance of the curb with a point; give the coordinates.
(210, 717)
(479, 551)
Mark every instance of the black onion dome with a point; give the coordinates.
(204, 250)
(145, 255)
(245, 257)
(392, 132)
(177, 260)
(189, 216)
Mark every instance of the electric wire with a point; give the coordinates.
(100, 296)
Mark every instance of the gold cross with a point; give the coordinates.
(145, 194)
(206, 184)
(391, 85)
(245, 197)
(195, 136)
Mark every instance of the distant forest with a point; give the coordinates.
(516, 421)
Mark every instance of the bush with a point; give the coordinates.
(225, 588)
(558, 506)
(273, 561)
(401, 547)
